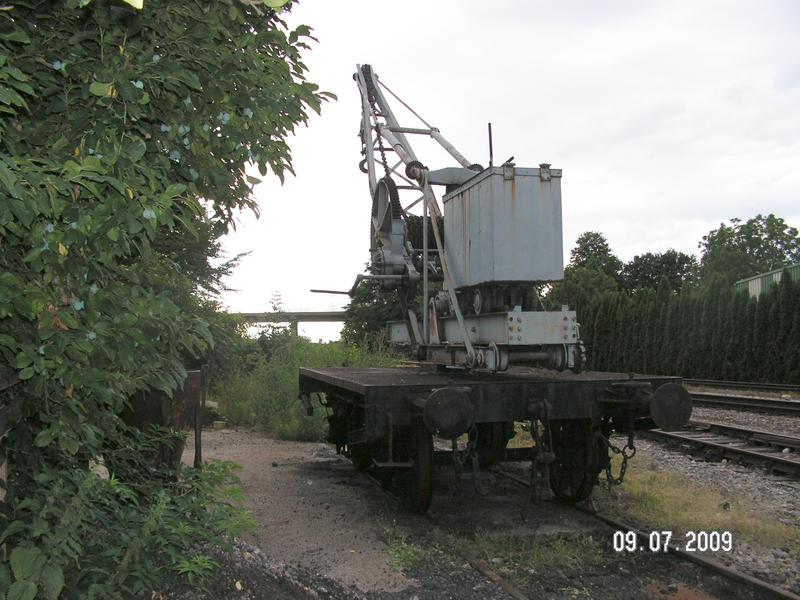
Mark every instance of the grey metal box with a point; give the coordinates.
(504, 225)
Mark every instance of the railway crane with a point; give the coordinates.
(468, 277)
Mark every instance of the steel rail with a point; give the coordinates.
(769, 405)
(744, 385)
(760, 437)
(711, 564)
(754, 453)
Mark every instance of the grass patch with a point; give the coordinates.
(523, 557)
(405, 555)
(670, 500)
(537, 553)
(522, 437)
(265, 393)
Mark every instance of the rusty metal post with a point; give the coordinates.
(198, 418)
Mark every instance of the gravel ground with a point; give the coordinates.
(774, 496)
(774, 423)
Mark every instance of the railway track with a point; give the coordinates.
(744, 385)
(748, 403)
(776, 452)
(763, 588)
(759, 588)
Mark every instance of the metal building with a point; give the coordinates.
(758, 284)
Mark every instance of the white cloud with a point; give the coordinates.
(666, 117)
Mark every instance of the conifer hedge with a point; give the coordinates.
(710, 332)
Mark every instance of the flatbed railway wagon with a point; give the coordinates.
(489, 354)
(386, 418)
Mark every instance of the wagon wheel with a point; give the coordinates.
(492, 441)
(361, 456)
(419, 478)
(573, 472)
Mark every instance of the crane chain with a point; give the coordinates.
(371, 96)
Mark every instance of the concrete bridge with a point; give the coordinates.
(295, 317)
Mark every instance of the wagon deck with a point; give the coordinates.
(496, 396)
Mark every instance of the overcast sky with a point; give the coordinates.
(667, 118)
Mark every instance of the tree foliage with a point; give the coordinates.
(646, 270)
(742, 249)
(593, 252)
(124, 153)
(581, 287)
(652, 320)
(368, 312)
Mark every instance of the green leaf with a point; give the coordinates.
(190, 79)
(23, 211)
(45, 437)
(13, 527)
(26, 563)
(38, 527)
(18, 36)
(53, 579)
(21, 590)
(138, 4)
(23, 360)
(99, 88)
(68, 444)
(134, 225)
(26, 373)
(176, 189)
(134, 149)
(113, 234)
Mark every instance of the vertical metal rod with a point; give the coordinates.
(198, 418)
(426, 334)
(491, 149)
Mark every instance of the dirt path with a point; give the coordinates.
(311, 510)
(345, 538)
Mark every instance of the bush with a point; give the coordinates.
(266, 395)
(152, 521)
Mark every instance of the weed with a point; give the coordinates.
(265, 395)
(196, 568)
(405, 555)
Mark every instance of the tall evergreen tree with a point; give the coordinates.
(760, 345)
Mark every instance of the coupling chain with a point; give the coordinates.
(627, 452)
